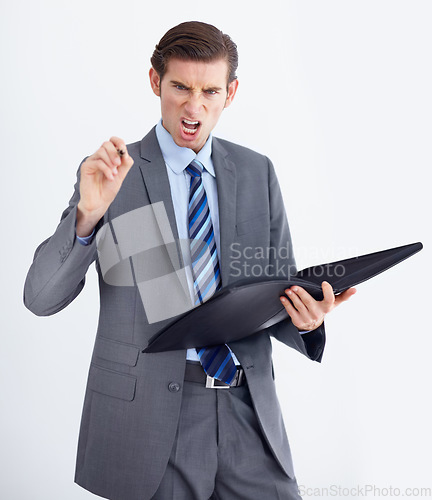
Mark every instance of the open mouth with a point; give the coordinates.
(190, 127)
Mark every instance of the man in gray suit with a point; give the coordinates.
(158, 425)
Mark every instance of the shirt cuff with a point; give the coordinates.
(85, 240)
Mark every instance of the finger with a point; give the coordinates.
(114, 159)
(126, 164)
(297, 302)
(344, 296)
(307, 300)
(102, 155)
(99, 164)
(120, 147)
(311, 309)
(329, 297)
(123, 154)
(290, 309)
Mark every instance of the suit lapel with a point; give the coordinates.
(226, 180)
(155, 176)
(156, 183)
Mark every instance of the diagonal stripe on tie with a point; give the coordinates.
(217, 361)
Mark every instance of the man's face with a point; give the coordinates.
(193, 95)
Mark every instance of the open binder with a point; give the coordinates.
(246, 307)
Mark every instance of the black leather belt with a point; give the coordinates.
(195, 373)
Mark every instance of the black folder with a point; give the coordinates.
(246, 307)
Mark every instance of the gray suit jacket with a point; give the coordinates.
(132, 400)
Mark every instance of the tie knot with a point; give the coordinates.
(195, 168)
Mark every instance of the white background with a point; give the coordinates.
(338, 94)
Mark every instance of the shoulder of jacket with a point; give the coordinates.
(243, 151)
(147, 145)
(134, 148)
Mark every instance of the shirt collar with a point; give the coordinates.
(178, 158)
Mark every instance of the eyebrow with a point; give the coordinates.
(216, 89)
(174, 82)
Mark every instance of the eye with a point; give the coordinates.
(180, 87)
(211, 92)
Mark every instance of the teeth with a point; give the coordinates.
(189, 130)
(190, 123)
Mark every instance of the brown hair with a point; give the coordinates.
(196, 41)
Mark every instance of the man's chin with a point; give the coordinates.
(194, 143)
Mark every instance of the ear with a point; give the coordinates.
(232, 89)
(155, 81)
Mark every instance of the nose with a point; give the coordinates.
(193, 104)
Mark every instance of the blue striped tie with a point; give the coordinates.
(217, 361)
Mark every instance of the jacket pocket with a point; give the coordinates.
(118, 352)
(117, 385)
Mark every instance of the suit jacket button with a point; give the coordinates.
(173, 387)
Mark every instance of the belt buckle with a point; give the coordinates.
(210, 383)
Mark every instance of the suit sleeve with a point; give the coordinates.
(57, 274)
(310, 344)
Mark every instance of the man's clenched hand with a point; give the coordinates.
(102, 175)
(307, 313)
